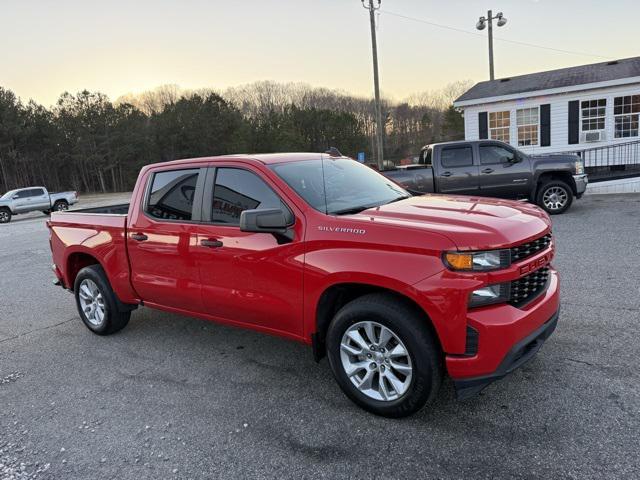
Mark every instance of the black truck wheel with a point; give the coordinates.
(97, 303)
(554, 196)
(383, 356)
(5, 215)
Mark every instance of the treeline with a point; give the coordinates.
(89, 143)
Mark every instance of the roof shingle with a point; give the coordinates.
(564, 77)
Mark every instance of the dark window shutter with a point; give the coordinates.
(483, 126)
(574, 122)
(545, 125)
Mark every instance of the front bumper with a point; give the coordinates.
(507, 336)
(581, 182)
(520, 353)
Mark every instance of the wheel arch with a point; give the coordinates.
(79, 259)
(337, 295)
(563, 176)
(75, 262)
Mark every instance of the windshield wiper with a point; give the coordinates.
(352, 210)
(404, 197)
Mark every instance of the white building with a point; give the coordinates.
(571, 109)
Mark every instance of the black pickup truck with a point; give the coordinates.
(494, 169)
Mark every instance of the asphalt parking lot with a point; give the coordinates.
(174, 397)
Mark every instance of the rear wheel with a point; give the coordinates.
(5, 215)
(383, 356)
(96, 302)
(61, 206)
(554, 196)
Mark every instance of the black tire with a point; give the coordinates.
(114, 320)
(557, 185)
(5, 215)
(411, 327)
(60, 206)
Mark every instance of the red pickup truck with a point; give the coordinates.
(396, 290)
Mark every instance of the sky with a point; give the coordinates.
(119, 47)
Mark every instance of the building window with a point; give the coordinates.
(625, 113)
(527, 120)
(593, 114)
(499, 125)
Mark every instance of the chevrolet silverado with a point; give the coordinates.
(495, 169)
(397, 291)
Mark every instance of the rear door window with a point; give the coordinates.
(236, 190)
(171, 194)
(37, 192)
(456, 157)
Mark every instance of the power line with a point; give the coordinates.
(515, 42)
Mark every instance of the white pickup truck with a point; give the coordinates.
(24, 200)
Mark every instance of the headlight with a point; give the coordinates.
(490, 294)
(478, 261)
(579, 167)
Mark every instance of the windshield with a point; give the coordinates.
(7, 195)
(339, 186)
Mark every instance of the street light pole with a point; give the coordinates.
(376, 82)
(491, 74)
(480, 26)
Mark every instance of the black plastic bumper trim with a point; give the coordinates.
(521, 353)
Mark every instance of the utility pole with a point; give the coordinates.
(376, 81)
(480, 26)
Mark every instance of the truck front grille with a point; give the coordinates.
(529, 287)
(527, 249)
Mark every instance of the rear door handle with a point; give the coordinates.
(446, 174)
(140, 237)
(211, 243)
(487, 170)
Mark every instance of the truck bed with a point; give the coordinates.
(417, 179)
(119, 209)
(98, 233)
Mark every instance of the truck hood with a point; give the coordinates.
(471, 223)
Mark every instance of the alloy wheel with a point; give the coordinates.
(555, 198)
(92, 302)
(376, 361)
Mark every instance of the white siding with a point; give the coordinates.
(559, 117)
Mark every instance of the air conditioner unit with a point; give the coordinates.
(593, 136)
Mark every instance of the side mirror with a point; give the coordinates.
(15, 197)
(268, 220)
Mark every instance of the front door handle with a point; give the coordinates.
(140, 237)
(211, 243)
(446, 174)
(487, 170)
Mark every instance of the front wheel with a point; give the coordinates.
(96, 302)
(554, 196)
(384, 356)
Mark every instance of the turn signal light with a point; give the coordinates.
(459, 261)
(477, 261)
